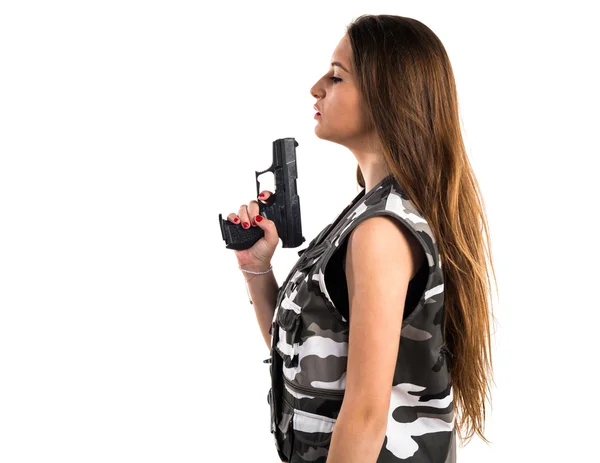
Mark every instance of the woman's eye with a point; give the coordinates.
(335, 79)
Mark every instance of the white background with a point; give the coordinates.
(127, 127)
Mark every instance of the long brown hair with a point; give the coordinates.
(408, 91)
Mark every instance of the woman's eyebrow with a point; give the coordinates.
(337, 63)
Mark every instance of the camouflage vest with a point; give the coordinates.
(309, 349)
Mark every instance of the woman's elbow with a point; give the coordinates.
(368, 418)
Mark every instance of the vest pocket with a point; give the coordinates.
(284, 435)
(311, 437)
(311, 428)
(288, 326)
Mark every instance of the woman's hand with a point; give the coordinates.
(258, 257)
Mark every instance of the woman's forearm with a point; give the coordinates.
(263, 292)
(356, 439)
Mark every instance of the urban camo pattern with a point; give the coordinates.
(309, 350)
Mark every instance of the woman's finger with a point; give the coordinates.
(253, 211)
(233, 218)
(243, 215)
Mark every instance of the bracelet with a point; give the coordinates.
(257, 273)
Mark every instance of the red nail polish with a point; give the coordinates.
(236, 220)
(258, 218)
(246, 224)
(261, 195)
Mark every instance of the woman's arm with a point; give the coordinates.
(263, 290)
(381, 259)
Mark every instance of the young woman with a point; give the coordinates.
(380, 335)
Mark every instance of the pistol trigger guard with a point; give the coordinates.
(259, 173)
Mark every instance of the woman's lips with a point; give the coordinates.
(317, 114)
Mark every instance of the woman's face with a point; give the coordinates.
(341, 120)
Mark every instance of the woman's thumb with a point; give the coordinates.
(268, 226)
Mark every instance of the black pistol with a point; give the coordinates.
(283, 206)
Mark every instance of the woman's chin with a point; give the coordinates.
(319, 133)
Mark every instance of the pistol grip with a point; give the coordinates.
(237, 237)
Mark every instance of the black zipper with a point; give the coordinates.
(325, 393)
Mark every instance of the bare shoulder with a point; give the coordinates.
(384, 241)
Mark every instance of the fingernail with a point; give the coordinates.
(236, 220)
(258, 218)
(246, 225)
(261, 195)
(254, 222)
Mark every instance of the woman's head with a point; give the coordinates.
(396, 105)
(342, 119)
(396, 100)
